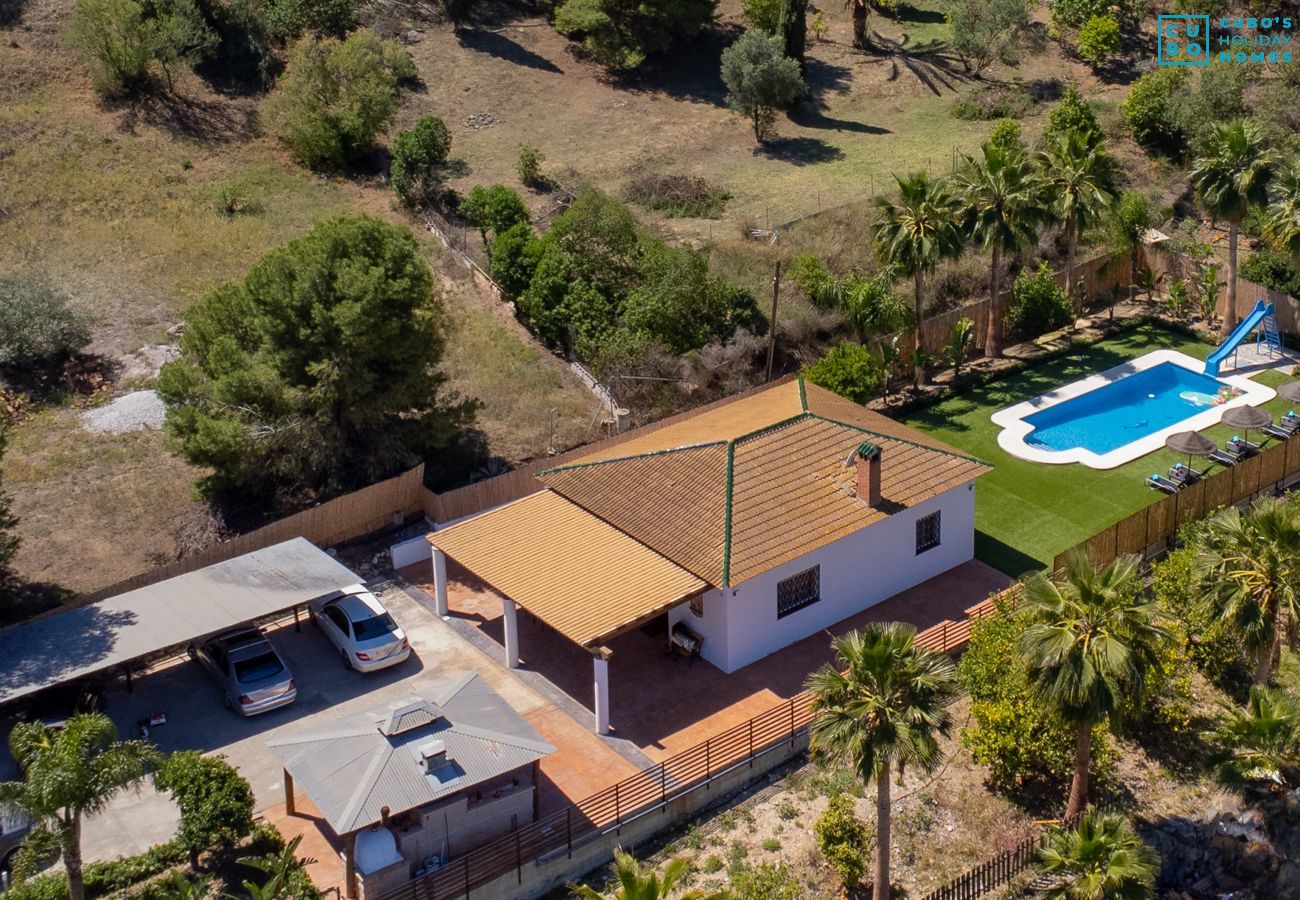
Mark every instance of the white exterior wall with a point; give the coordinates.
(740, 624)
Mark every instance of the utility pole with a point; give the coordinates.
(776, 294)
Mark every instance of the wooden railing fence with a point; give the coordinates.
(1147, 531)
(990, 874)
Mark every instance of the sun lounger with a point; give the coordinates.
(1241, 448)
(1225, 457)
(1158, 482)
(1285, 427)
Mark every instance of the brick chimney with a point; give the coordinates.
(867, 462)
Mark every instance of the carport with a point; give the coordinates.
(581, 576)
(151, 620)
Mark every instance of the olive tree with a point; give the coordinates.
(760, 79)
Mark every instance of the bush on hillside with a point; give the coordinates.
(987, 31)
(1072, 115)
(850, 370)
(1003, 101)
(1005, 137)
(1024, 744)
(1271, 269)
(337, 97)
(1098, 40)
(125, 39)
(1151, 110)
(515, 254)
(1075, 13)
(39, 328)
(529, 166)
(1038, 303)
(621, 35)
(844, 840)
(1212, 644)
(291, 19)
(419, 156)
(493, 209)
(684, 196)
(764, 14)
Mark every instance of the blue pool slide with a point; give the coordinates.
(1262, 311)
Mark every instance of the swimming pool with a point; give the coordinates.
(1123, 413)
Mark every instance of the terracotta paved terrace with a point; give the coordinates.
(665, 706)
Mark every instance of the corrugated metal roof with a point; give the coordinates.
(586, 579)
(141, 622)
(353, 770)
(713, 508)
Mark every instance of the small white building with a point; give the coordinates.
(750, 523)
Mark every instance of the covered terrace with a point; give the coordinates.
(514, 549)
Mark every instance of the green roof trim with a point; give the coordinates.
(613, 459)
(867, 450)
(803, 394)
(772, 427)
(726, 518)
(889, 437)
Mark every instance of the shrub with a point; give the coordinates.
(844, 840)
(811, 275)
(1038, 303)
(764, 14)
(1075, 13)
(1151, 109)
(103, 878)
(1098, 40)
(766, 881)
(1071, 115)
(850, 370)
(125, 38)
(684, 196)
(1021, 741)
(419, 156)
(529, 166)
(760, 80)
(493, 209)
(994, 102)
(1212, 644)
(216, 803)
(1005, 136)
(336, 97)
(985, 31)
(515, 254)
(621, 35)
(1273, 270)
(291, 19)
(39, 328)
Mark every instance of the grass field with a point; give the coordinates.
(1025, 512)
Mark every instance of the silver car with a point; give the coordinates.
(357, 624)
(14, 826)
(252, 676)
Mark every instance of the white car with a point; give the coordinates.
(358, 625)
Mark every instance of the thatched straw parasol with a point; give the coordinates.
(1190, 442)
(1246, 418)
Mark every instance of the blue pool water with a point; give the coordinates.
(1119, 413)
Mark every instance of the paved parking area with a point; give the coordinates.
(197, 719)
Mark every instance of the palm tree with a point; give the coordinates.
(69, 773)
(1261, 743)
(1003, 201)
(917, 231)
(1231, 175)
(1092, 640)
(882, 707)
(1080, 175)
(1099, 859)
(281, 868)
(1249, 564)
(636, 882)
(861, 12)
(1282, 225)
(1129, 223)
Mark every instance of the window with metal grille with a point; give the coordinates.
(927, 532)
(798, 591)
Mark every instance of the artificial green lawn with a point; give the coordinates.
(1026, 513)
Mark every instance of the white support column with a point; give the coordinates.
(600, 665)
(440, 582)
(511, 621)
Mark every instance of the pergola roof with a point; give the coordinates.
(580, 575)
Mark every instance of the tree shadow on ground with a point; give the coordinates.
(213, 121)
(908, 13)
(691, 71)
(11, 12)
(824, 77)
(800, 151)
(809, 116)
(494, 43)
(1184, 752)
(21, 599)
(930, 62)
